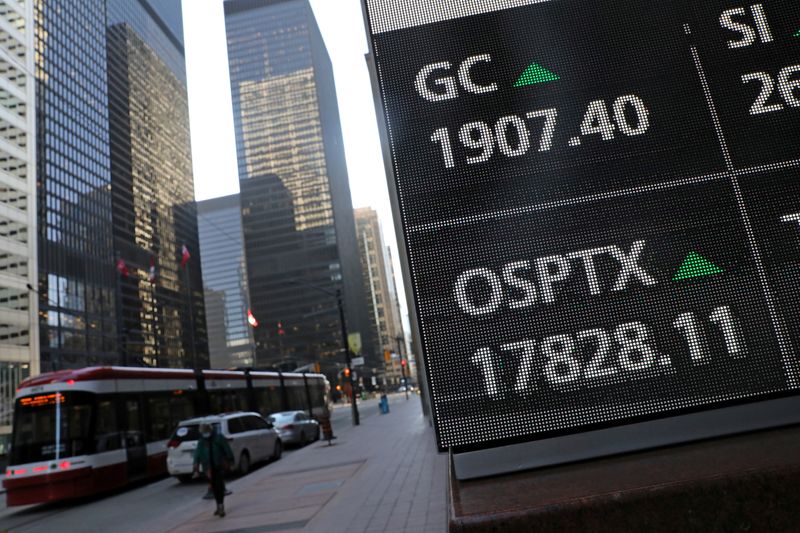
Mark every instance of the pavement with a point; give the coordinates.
(382, 476)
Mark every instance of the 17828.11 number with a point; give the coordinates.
(624, 353)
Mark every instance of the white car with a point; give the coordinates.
(251, 438)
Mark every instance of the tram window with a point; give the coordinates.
(34, 435)
(181, 408)
(216, 401)
(269, 400)
(106, 434)
(317, 394)
(160, 421)
(239, 400)
(297, 397)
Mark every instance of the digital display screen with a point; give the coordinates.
(600, 203)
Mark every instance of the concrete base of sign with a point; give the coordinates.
(746, 482)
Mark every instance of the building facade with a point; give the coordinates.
(114, 168)
(19, 339)
(379, 283)
(297, 214)
(162, 316)
(225, 283)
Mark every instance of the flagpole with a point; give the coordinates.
(155, 308)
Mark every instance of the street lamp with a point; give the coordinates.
(340, 304)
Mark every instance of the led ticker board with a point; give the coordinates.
(600, 207)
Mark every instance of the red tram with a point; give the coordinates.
(79, 432)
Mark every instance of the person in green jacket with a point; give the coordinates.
(214, 454)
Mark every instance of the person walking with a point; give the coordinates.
(214, 454)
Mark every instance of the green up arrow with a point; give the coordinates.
(696, 266)
(534, 74)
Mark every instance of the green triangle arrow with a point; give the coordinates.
(696, 266)
(536, 74)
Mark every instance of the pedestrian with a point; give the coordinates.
(214, 454)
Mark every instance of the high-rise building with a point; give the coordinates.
(381, 289)
(19, 340)
(154, 212)
(225, 279)
(114, 167)
(298, 224)
(75, 245)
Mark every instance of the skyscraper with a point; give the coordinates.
(19, 341)
(116, 193)
(380, 286)
(291, 163)
(154, 212)
(225, 282)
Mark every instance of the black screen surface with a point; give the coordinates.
(600, 203)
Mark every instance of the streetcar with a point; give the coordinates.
(90, 430)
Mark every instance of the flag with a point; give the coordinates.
(152, 276)
(185, 256)
(122, 268)
(251, 319)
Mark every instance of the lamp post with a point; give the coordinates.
(340, 304)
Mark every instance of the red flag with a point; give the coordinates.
(122, 268)
(152, 277)
(185, 256)
(251, 319)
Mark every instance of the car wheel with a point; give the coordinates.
(244, 464)
(276, 453)
(316, 436)
(302, 438)
(185, 478)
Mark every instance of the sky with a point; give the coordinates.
(213, 141)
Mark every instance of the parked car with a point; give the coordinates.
(295, 427)
(252, 440)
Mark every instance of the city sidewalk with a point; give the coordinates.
(382, 476)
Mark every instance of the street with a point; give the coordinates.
(130, 508)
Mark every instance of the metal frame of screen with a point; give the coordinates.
(541, 452)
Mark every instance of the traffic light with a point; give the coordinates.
(347, 372)
(404, 362)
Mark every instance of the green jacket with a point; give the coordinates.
(220, 447)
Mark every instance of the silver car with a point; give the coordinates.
(295, 427)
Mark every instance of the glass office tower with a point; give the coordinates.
(163, 318)
(225, 282)
(114, 166)
(297, 214)
(76, 250)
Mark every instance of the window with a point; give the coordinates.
(160, 422)
(236, 425)
(258, 423)
(106, 435)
